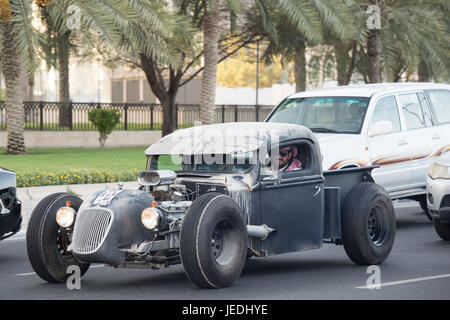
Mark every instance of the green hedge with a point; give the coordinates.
(72, 176)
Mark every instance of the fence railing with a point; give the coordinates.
(41, 115)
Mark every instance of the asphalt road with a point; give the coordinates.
(418, 268)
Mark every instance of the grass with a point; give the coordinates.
(41, 167)
(53, 160)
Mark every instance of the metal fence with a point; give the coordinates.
(40, 115)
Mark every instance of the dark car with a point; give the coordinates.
(229, 201)
(10, 206)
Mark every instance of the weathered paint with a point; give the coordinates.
(227, 138)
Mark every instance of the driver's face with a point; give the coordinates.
(284, 156)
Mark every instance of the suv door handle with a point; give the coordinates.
(435, 137)
(402, 143)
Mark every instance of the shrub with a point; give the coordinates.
(104, 121)
(73, 176)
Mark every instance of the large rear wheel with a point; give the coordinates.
(213, 241)
(368, 224)
(47, 242)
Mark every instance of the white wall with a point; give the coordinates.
(85, 139)
(266, 96)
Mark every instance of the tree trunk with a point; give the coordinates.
(169, 115)
(300, 69)
(211, 57)
(64, 89)
(422, 70)
(374, 53)
(166, 97)
(342, 61)
(15, 93)
(30, 95)
(345, 64)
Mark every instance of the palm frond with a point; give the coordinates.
(303, 17)
(26, 37)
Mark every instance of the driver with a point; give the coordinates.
(287, 160)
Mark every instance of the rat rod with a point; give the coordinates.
(213, 215)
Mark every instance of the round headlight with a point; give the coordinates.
(65, 216)
(151, 218)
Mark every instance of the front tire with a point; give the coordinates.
(213, 241)
(368, 224)
(442, 229)
(47, 241)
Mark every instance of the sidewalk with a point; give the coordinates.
(30, 196)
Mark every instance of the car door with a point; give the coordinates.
(421, 132)
(391, 151)
(293, 206)
(440, 104)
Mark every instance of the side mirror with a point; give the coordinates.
(379, 128)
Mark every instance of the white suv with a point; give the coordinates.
(399, 126)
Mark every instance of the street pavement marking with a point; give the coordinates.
(26, 274)
(34, 273)
(394, 283)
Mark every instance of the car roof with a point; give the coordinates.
(368, 90)
(227, 138)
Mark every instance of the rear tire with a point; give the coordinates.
(213, 241)
(47, 241)
(368, 224)
(442, 229)
(424, 206)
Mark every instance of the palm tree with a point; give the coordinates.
(298, 24)
(106, 20)
(207, 14)
(58, 41)
(18, 57)
(409, 29)
(211, 34)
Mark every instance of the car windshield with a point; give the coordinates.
(323, 114)
(235, 162)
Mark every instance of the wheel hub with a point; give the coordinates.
(376, 226)
(216, 243)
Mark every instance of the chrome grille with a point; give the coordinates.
(91, 227)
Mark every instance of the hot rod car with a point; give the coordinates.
(227, 202)
(10, 206)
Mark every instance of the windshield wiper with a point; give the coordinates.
(324, 130)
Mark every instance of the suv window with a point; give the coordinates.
(440, 100)
(323, 114)
(386, 110)
(412, 111)
(426, 110)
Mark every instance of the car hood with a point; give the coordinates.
(340, 150)
(7, 179)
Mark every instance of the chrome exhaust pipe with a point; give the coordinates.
(260, 232)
